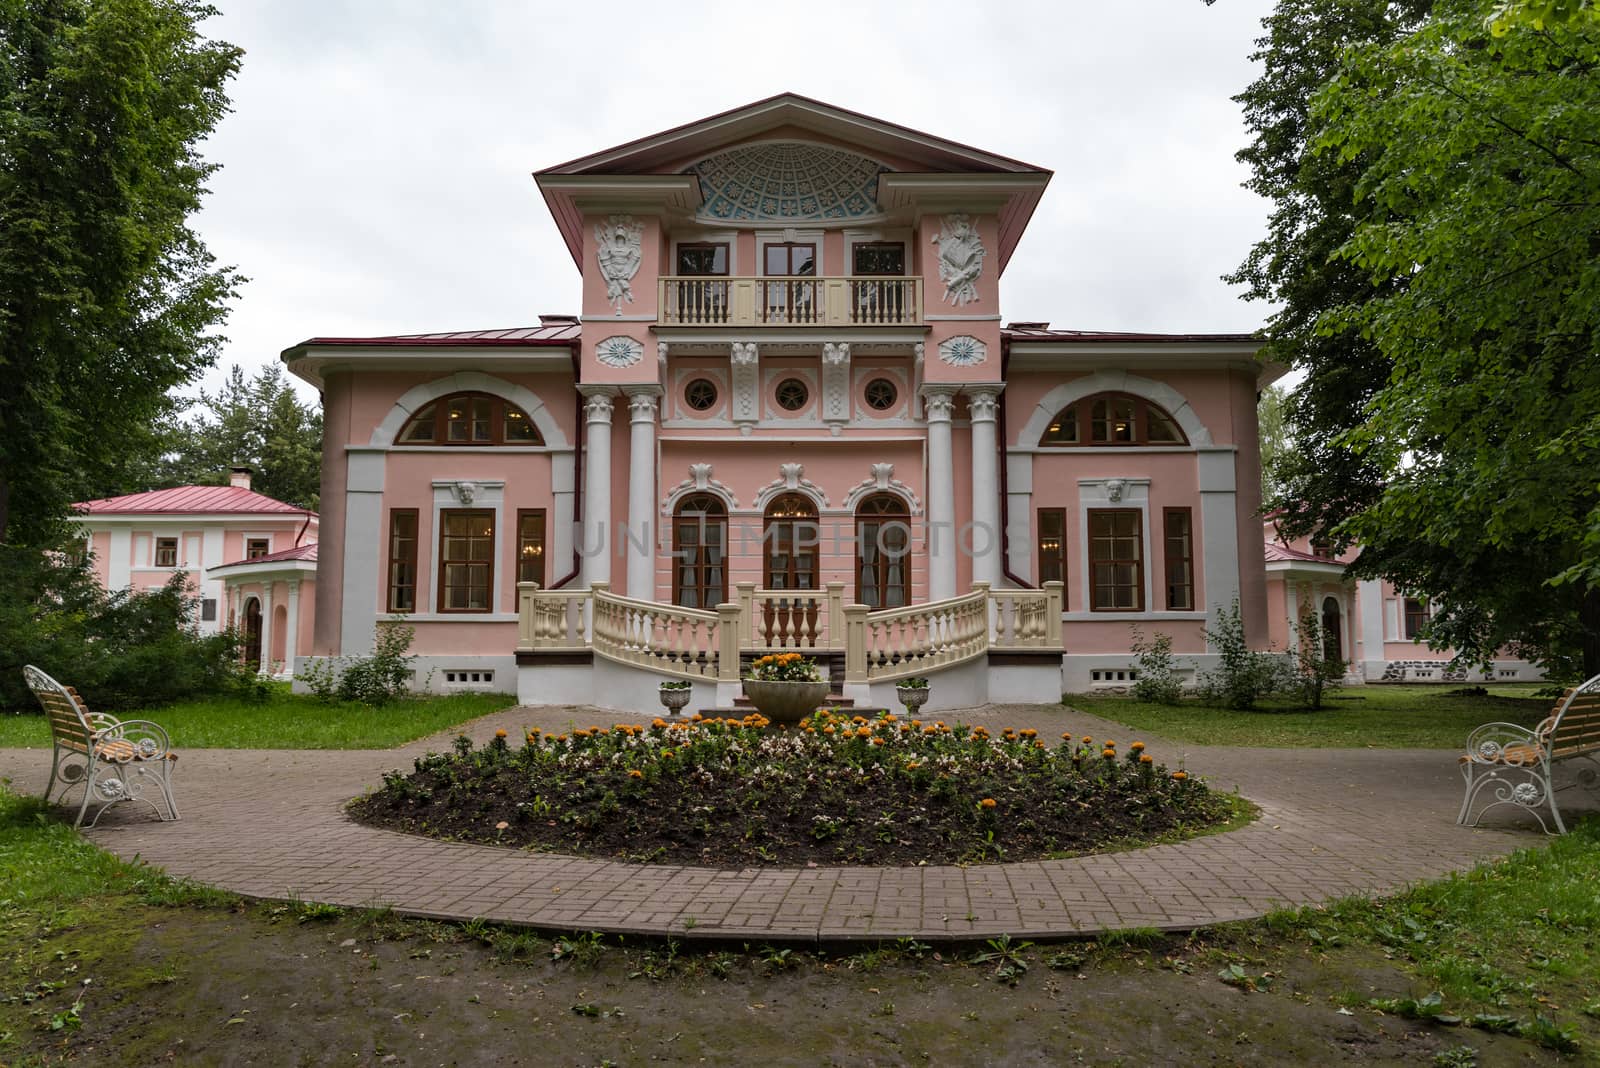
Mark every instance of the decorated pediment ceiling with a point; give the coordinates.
(788, 181)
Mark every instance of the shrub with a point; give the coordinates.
(1313, 672)
(1158, 680)
(377, 679)
(121, 649)
(1242, 676)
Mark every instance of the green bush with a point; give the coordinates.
(371, 680)
(1158, 680)
(1242, 676)
(121, 649)
(1313, 672)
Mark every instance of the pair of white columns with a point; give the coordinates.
(643, 406)
(982, 538)
(291, 627)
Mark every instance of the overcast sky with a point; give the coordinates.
(376, 167)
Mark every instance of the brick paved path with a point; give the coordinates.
(1334, 822)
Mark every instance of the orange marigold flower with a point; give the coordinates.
(877, 741)
(500, 733)
(930, 730)
(1038, 745)
(1030, 733)
(829, 729)
(1109, 754)
(1087, 739)
(561, 737)
(863, 732)
(987, 802)
(1146, 758)
(1109, 744)
(635, 773)
(1136, 746)
(666, 753)
(1066, 736)
(658, 722)
(1180, 775)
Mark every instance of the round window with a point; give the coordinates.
(792, 394)
(700, 394)
(881, 395)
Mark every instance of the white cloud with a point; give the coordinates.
(376, 168)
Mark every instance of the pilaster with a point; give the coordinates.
(938, 403)
(595, 542)
(982, 404)
(643, 405)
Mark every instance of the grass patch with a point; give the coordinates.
(1382, 717)
(287, 721)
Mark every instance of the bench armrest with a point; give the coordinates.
(1504, 743)
(150, 739)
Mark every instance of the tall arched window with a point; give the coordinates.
(700, 552)
(1332, 639)
(470, 419)
(789, 534)
(1112, 419)
(883, 552)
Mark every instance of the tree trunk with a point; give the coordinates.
(5, 506)
(1589, 625)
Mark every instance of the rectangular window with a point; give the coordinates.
(786, 259)
(1052, 545)
(1116, 559)
(530, 545)
(1180, 559)
(402, 559)
(166, 552)
(702, 259)
(255, 548)
(878, 257)
(466, 561)
(208, 610)
(1416, 616)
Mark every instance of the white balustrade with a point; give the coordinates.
(719, 300)
(792, 619)
(551, 619)
(660, 637)
(919, 639)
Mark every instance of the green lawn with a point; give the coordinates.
(1383, 717)
(287, 721)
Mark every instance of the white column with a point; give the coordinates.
(982, 403)
(938, 402)
(642, 406)
(291, 630)
(1291, 604)
(266, 629)
(595, 543)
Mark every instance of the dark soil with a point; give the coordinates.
(839, 811)
(182, 986)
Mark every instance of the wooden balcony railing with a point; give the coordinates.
(855, 301)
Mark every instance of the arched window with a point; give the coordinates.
(883, 552)
(790, 536)
(700, 552)
(470, 419)
(1112, 419)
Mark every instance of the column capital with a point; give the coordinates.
(597, 403)
(643, 402)
(983, 401)
(939, 401)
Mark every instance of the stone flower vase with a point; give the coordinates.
(786, 702)
(911, 698)
(673, 698)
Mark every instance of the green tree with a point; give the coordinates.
(259, 422)
(1477, 225)
(107, 297)
(1277, 442)
(1321, 481)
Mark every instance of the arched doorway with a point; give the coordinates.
(700, 552)
(1332, 640)
(790, 536)
(883, 552)
(278, 657)
(252, 633)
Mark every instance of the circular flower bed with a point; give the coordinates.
(836, 790)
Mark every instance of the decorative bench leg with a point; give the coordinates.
(1532, 794)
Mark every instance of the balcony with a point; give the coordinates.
(703, 301)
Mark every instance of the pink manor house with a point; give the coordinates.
(790, 417)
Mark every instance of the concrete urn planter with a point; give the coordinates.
(911, 698)
(673, 698)
(786, 702)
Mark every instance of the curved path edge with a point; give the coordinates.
(1334, 822)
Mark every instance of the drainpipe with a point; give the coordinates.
(1005, 496)
(577, 477)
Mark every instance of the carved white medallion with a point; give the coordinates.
(963, 350)
(619, 249)
(961, 254)
(619, 351)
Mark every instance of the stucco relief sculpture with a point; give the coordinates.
(963, 351)
(465, 492)
(619, 351)
(1115, 487)
(961, 255)
(619, 244)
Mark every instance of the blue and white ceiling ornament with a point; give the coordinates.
(619, 351)
(963, 350)
(789, 181)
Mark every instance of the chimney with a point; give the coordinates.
(239, 476)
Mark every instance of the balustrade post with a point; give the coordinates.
(747, 614)
(1053, 592)
(835, 615)
(729, 624)
(856, 686)
(526, 632)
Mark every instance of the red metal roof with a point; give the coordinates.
(299, 552)
(555, 334)
(1279, 553)
(1030, 332)
(188, 500)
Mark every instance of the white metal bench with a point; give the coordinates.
(112, 759)
(1515, 764)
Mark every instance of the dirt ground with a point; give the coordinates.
(266, 985)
